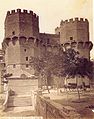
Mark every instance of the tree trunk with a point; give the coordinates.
(66, 84)
(47, 84)
(40, 81)
(77, 88)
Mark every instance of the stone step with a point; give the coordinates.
(27, 111)
(19, 101)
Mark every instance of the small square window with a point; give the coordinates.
(71, 38)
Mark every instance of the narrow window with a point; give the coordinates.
(27, 65)
(14, 66)
(26, 58)
(13, 33)
(25, 50)
(71, 38)
(4, 65)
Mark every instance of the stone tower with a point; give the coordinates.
(21, 30)
(21, 23)
(75, 33)
(23, 40)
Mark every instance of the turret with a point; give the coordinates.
(74, 29)
(21, 23)
(75, 33)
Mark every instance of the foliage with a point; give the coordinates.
(70, 62)
(84, 67)
(75, 65)
(48, 64)
(66, 63)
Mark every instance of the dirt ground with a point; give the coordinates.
(83, 106)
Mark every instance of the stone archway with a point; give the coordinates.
(23, 76)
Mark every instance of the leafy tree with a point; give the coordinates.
(64, 64)
(47, 65)
(73, 65)
(84, 67)
(43, 66)
(70, 61)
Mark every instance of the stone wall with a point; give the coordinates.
(23, 86)
(76, 32)
(77, 29)
(17, 49)
(52, 110)
(23, 39)
(21, 23)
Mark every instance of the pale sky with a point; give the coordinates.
(50, 12)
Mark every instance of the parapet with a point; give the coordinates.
(21, 39)
(79, 45)
(72, 20)
(30, 12)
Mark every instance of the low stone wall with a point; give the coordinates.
(23, 85)
(52, 110)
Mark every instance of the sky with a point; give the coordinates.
(50, 12)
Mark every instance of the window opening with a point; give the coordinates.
(71, 38)
(26, 58)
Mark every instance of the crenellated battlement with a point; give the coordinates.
(33, 41)
(22, 40)
(21, 22)
(79, 45)
(25, 41)
(84, 20)
(30, 12)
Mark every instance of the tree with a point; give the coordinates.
(73, 65)
(43, 66)
(47, 65)
(70, 61)
(84, 67)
